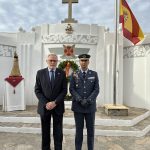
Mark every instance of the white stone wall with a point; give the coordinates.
(32, 48)
(133, 63)
(136, 77)
(107, 65)
(7, 47)
(5, 71)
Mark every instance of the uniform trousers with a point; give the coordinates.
(90, 125)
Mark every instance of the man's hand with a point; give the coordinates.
(78, 100)
(84, 103)
(50, 105)
(89, 101)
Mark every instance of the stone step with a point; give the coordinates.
(28, 121)
(98, 132)
(70, 120)
(140, 129)
(140, 126)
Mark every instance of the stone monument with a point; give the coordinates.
(69, 19)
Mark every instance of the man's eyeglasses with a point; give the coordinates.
(52, 60)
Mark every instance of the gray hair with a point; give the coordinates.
(52, 54)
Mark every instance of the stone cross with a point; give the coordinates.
(69, 19)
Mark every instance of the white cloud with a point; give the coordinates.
(28, 13)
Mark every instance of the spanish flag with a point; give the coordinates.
(130, 26)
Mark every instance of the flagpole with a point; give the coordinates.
(115, 54)
(116, 109)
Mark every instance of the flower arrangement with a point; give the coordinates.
(74, 67)
(62, 65)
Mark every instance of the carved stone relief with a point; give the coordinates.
(136, 51)
(7, 51)
(73, 39)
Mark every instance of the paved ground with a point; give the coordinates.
(18, 141)
(13, 141)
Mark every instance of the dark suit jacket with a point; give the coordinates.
(45, 93)
(81, 88)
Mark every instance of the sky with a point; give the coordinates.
(29, 13)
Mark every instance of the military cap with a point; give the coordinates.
(84, 56)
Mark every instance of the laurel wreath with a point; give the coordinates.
(74, 67)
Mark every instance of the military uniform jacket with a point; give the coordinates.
(81, 88)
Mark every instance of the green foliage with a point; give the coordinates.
(73, 65)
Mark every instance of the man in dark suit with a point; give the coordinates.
(50, 89)
(84, 87)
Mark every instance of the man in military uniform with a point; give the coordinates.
(84, 87)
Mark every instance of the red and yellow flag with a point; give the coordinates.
(130, 26)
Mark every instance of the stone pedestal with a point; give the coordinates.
(14, 97)
(68, 105)
(116, 110)
(70, 20)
